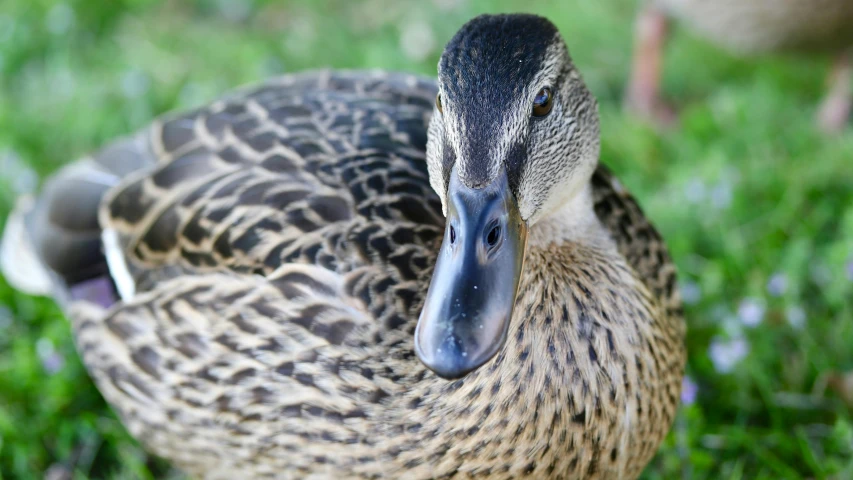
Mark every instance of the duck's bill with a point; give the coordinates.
(470, 301)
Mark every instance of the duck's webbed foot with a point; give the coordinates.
(834, 111)
(642, 97)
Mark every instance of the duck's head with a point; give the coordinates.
(514, 137)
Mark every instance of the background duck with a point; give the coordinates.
(271, 253)
(747, 27)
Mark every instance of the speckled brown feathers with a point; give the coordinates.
(253, 182)
(273, 251)
(281, 250)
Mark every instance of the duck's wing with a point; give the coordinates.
(285, 172)
(267, 248)
(293, 170)
(637, 239)
(52, 243)
(228, 373)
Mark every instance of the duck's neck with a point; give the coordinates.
(573, 222)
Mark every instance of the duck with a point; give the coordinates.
(371, 274)
(746, 28)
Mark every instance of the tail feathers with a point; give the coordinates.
(25, 271)
(63, 224)
(19, 261)
(52, 244)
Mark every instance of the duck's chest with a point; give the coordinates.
(586, 386)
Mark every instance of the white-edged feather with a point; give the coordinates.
(18, 261)
(118, 265)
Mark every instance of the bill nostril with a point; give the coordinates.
(452, 235)
(494, 235)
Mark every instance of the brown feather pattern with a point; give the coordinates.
(281, 245)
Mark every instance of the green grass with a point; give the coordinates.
(747, 194)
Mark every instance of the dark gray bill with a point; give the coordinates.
(469, 304)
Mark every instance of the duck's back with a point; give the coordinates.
(287, 172)
(751, 26)
(269, 175)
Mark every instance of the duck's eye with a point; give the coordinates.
(543, 102)
(438, 103)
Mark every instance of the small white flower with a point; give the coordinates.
(691, 292)
(751, 311)
(44, 347)
(51, 360)
(778, 284)
(725, 354)
(689, 390)
(53, 363)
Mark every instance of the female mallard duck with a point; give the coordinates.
(748, 27)
(273, 251)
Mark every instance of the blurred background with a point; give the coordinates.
(755, 203)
